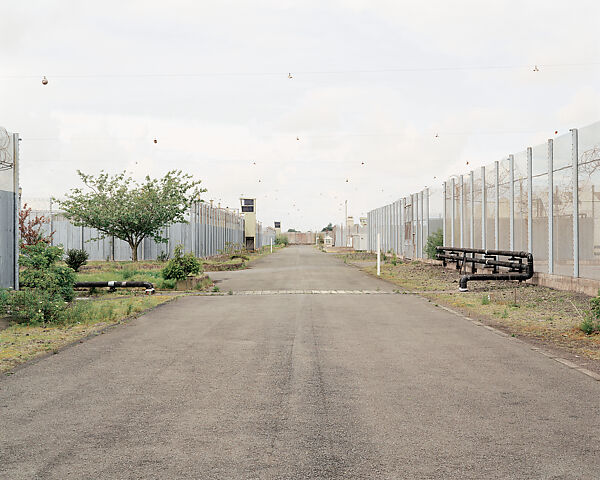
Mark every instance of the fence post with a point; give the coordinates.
(483, 209)
(420, 224)
(511, 213)
(529, 200)
(453, 211)
(444, 233)
(461, 210)
(51, 224)
(378, 254)
(17, 208)
(472, 193)
(402, 222)
(550, 209)
(497, 205)
(575, 160)
(426, 213)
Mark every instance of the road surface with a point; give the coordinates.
(335, 384)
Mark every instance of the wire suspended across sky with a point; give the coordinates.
(294, 74)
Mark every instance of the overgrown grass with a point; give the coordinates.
(20, 343)
(130, 275)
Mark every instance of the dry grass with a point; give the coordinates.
(20, 343)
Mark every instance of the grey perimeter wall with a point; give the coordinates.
(7, 239)
(210, 231)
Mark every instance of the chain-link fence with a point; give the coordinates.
(9, 208)
(210, 231)
(544, 200)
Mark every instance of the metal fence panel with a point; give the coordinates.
(9, 206)
(539, 165)
(521, 201)
(589, 201)
(543, 199)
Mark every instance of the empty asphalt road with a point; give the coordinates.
(295, 385)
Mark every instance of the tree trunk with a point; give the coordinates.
(134, 251)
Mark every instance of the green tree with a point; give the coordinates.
(328, 228)
(118, 206)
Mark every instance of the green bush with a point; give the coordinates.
(46, 288)
(180, 266)
(41, 272)
(436, 239)
(76, 258)
(281, 240)
(591, 323)
(35, 307)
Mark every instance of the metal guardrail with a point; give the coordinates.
(519, 265)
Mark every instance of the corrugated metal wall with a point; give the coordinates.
(210, 231)
(9, 170)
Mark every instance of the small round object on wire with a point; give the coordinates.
(44, 80)
(155, 140)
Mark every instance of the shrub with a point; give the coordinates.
(31, 227)
(35, 306)
(436, 239)
(76, 258)
(41, 272)
(46, 287)
(163, 257)
(281, 240)
(180, 266)
(591, 323)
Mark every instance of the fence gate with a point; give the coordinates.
(9, 209)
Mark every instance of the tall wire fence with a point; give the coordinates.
(210, 231)
(544, 200)
(9, 208)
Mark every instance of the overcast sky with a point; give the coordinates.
(373, 83)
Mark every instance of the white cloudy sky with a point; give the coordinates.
(373, 82)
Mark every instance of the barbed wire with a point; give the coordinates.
(6, 161)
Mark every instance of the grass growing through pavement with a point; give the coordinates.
(19, 343)
(524, 309)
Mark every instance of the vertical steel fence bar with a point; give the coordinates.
(497, 205)
(550, 210)
(575, 161)
(16, 210)
(461, 213)
(483, 209)
(529, 199)
(472, 193)
(453, 211)
(444, 233)
(511, 213)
